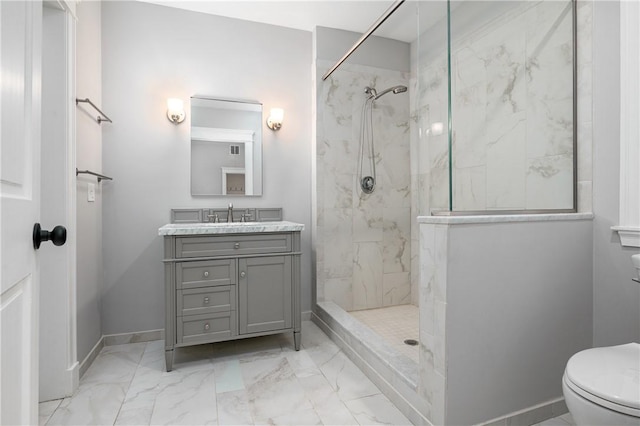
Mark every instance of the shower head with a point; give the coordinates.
(394, 89)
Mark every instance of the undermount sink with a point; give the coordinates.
(228, 228)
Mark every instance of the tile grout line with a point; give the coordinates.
(130, 382)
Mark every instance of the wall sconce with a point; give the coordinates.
(274, 121)
(175, 110)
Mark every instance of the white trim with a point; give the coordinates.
(210, 134)
(535, 414)
(629, 235)
(116, 339)
(72, 350)
(232, 170)
(91, 356)
(629, 227)
(137, 337)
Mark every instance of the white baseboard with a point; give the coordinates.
(91, 356)
(117, 339)
(532, 415)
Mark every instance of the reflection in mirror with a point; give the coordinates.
(226, 147)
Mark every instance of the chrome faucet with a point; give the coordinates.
(230, 213)
(246, 216)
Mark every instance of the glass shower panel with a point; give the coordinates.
(430, 114)
(512, 105)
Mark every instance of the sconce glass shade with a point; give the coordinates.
(274, 122)
(175, 110)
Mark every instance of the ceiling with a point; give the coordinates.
(305, 15)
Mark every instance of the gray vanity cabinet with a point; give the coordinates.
(230, 286)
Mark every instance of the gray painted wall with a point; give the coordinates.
(519, 305)
(379, 52)
(88, 156)
(616, 299)
(151, 53)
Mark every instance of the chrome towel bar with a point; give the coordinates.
(89, 172)
(102, 117)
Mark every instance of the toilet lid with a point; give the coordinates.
(611, 373)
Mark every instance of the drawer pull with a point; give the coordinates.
(207, 327)
(206, 274)
(243, 274)
(206, 300)
(236, 246)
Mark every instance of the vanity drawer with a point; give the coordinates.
(206, 300)
(205, 273)
(232, 245)
(206, 328)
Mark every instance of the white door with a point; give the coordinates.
(20, 67)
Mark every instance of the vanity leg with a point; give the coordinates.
(296, 340)
(168, 359)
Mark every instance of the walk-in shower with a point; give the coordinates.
(367, 152)
(486, 125)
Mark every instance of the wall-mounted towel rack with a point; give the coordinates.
(102, 117)
(89, 172)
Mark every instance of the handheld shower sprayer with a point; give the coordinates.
(368, 183)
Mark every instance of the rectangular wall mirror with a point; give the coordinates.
(226, 147)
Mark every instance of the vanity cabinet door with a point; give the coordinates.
(265, 294)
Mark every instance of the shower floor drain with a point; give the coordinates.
(411, 342)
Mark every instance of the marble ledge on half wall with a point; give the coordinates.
(228, 228)
(503, 218)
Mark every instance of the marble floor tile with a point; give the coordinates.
(233, 408)
(563, 420)
(253, 381)
(273, 388)
(326, 402)
(296, 417)
(187, 399)
(346, 378)
(556, 421)
(46, 409)
(95, 404)
(115, 364)
(228, 376)
(567, 417)
(376, 410)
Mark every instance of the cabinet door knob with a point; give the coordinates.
(207, 326)
(243, 274)
(206, 300)
(206, 274)
(236, 246)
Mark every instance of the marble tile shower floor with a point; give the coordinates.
(394, 324)
(252, 381)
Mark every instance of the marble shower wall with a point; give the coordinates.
(511, 82)
(363, 241)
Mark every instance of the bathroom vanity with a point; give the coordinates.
(227, 281)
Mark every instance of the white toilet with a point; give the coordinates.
(601, 386)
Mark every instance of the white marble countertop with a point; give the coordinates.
(459, 220)
(228, 228)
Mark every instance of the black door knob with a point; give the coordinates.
(58, 236)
